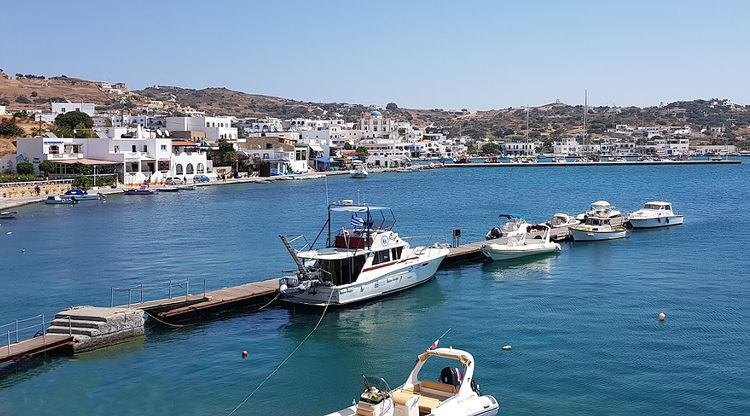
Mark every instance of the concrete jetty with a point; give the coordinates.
(94, 327)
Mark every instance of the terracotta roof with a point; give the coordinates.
(86, 162)
(182, 143)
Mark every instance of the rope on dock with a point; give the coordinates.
(270, 302)
(150, 315)
(285, 359)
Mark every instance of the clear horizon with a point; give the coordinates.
(479, 55)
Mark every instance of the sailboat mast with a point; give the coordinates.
(585, 111)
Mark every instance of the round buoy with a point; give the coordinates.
(244, 354)
(23, 250)
(506, 347)
(662, 316)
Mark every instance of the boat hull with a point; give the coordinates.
(589, 235)
(503, 252)
(656, 222)
(411, 274)
(359, 175)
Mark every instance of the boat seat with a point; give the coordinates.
(365, 409)
(427, 401)
(440, 387)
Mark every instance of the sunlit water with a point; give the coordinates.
(583, 324)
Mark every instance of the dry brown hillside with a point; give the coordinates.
(7, 144)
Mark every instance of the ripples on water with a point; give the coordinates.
(583, 324)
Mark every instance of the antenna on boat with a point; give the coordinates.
(327, 191)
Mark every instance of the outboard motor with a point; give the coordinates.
(450, 375)
(494, 233)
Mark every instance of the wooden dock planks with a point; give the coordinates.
(225, 299)
(33, 346)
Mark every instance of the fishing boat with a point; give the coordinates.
(456, 393)
(363, 261)
(359, 171)
(142, 190)
(59, 199)
(514, 225)
(173, 188)
(655, 214)
(81, 195)
(536, 240)
(599, 209)
(597, 228)
(8, 215)
(560, 220)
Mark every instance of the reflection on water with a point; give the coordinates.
(537, 267)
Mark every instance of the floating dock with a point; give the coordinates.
(38, 345)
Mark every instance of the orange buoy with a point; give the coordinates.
(244, 354)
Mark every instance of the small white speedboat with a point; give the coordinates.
(514, 225)
(359, 171)
(562, 220)
(535, 241)
(59, 199)
(455, 394)
(8, 215)
(599, 209)
(597, 228)
(655, 214)
(81, 195)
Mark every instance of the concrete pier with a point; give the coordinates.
(95, 327)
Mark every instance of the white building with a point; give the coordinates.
(375, 123)
(2, 110)
(216, 128)
(62, 108)
(386, 152)
(520, 148)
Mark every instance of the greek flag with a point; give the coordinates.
(357, 222)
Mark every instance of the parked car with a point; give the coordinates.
(200, 178)
(173, 181)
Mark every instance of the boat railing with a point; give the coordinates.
(141, 292)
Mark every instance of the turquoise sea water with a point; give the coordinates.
(583, 324)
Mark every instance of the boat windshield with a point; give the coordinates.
(374, 389)
(341, 271)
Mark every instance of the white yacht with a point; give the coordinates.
(363, 261)
(514, 225)
(536, 240)
(562, 220)
(359, 171)
(597, 228)
(599, 209)
(655, 214)
(454, 394)
(81, 195)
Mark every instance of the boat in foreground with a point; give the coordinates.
(361, 262)
(142, 190)
(536, 240)
(655, 214)
(597, 228)
(454, 394)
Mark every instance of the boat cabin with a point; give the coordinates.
(658, 206)
(598, 221)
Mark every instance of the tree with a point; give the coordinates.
(391, 107)
(362, 151)
(471, 147)
(491, 149)
(72, 119)
(348, 146)
(47, 167)
(25, 168)
(8, 127)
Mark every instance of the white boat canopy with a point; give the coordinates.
(356, 208)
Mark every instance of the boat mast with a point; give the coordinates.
(585, 111)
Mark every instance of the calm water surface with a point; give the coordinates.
(583, 324)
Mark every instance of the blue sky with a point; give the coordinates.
(420, 54)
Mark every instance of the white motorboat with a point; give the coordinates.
(359, 171)
(655, 214)
(455, 394)
(190, 187)
(361, 262)
(599, 209)
(597, 228)
(59, 199)
(81, 195)
(562, 220)
(535, 241)
(514, 225)
(560, 159)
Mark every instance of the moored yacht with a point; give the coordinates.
(455, 393)
(81, 195)
(562, 220)
(59, 199)
(655, 214)
(514, 225)
(597, 228)
(536, 240)
(359, 171)
(363, 261)
(599, 209)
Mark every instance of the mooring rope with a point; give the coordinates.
(160, 321)
(285, 359)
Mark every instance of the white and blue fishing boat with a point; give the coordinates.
(360, 262)
(81, 195)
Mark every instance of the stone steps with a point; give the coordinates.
(94, 327)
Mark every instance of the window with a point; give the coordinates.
(189, 169)
(396, 253)
(117, 148)
(134, 149)
(200, 167)
(145, 148)
(164, 147)
(178, 169)
(381, 257)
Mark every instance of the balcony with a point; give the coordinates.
(64, 156)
